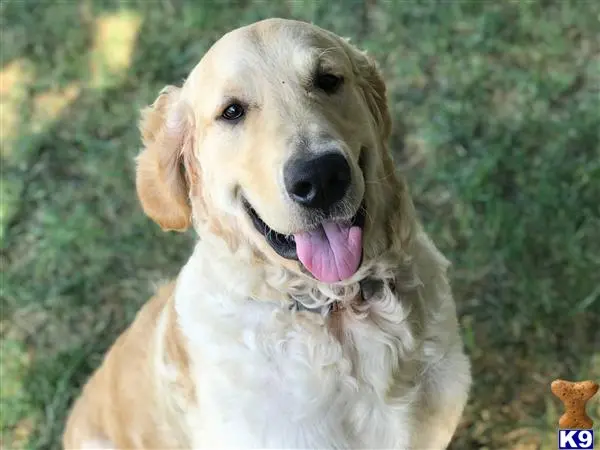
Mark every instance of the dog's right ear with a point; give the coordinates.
(374, 89)
(162, 176)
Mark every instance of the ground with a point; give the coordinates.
(497, 112)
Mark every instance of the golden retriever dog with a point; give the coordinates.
(314, 311)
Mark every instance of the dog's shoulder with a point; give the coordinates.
(136, 378)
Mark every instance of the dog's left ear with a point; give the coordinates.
(371, 81)
(164, 171)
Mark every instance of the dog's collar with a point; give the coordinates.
(330, 308)
(368, 288)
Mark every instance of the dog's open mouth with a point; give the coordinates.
(331, 252)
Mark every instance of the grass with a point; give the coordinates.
(497, 106)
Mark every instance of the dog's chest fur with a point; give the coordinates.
(267, 377)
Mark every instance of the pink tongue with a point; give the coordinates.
(332, 252)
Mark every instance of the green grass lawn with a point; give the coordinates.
(497, 110)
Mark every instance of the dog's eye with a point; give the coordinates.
(233, 112)
(328, 82)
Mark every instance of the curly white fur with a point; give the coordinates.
(393, 377)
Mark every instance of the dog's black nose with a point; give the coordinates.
(317, 181)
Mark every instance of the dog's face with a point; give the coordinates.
(276, 140)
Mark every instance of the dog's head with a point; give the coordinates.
(276, 140)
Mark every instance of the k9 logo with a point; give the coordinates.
(575, 439)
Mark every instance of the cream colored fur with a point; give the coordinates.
(218, 359)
